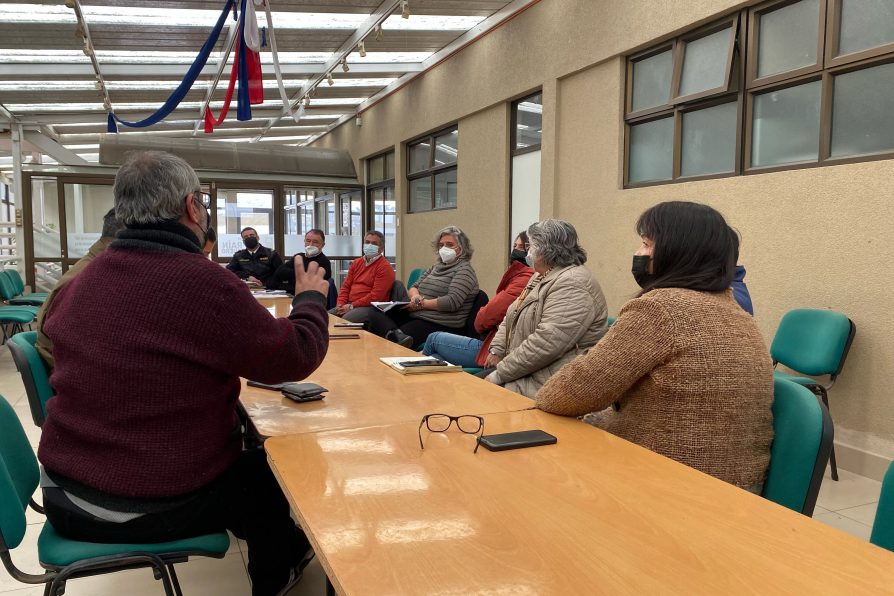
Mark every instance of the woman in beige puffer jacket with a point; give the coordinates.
(560, 314)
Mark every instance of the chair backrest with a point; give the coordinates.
(414, 277)
(34, 373)
(480, 300)
(17, 283)
(802, 440)
(813, 342)
(332, 296)
(7, 289)
(883, 526)
(399, 292)
(19, 475)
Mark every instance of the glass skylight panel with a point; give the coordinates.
(186, 105)
(187, 17)
(17, 56)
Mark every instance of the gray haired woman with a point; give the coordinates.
(440, 300)
(560, 314)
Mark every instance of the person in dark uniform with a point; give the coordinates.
(314, 241)
(256, 263)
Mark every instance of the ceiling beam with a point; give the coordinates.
(176, 71)
(54, 149)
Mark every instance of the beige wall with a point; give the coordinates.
(815, 237)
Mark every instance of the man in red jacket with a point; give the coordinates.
(369, 280)
(142, 441)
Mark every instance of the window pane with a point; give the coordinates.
(865, 24)
(420, 194)
(651, 150)
(861, 112)
(389, 165)
(786, 125)
(420, 154)
(446, 148)
(652, 81)
(788, 37)
(237, 209)
(528, 122)
(85, 206)
(704, 63)
(374, 170)
(384, 218)
(445, 190)
(709, 141)
(45, 215)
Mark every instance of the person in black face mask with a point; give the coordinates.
(256, 263)
(472, 352)
(686, 369)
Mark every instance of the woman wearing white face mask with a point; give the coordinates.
(284, 277)
(440, 300)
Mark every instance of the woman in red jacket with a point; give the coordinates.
(470, 351)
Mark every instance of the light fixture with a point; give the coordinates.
(79, 30)
(107, 106)
(87, 50)
(405, 9)
(306, 100)
(301, 111)
(361, 49)
(70, 3)
(329, 79)
(312, 91)
(344, 65)
(378, 33)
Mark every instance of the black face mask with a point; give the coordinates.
(518, 255)
(251, 243)
(640, 270)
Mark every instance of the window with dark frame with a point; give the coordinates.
(785, 84)
(431, 171)
(527, 124)
(381, 207)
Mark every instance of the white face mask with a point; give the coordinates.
(311, 250)
(529, 259)
(370, 250)
(448, 255)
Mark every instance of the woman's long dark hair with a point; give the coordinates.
(693, 247)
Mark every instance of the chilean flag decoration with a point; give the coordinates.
(246, 68)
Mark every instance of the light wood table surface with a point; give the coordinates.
(279, 306)
(593, 514)
(365, 392)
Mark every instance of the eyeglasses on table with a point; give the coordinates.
(439, 423)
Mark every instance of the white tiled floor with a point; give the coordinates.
(848, 505)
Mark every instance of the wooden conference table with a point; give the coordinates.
(365, 392)
(591, 514)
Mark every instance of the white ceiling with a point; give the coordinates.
(48, 81)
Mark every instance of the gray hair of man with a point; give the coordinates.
(111, 225)
(378, 235)
(556, 243)
(464, 243)
(150, 187)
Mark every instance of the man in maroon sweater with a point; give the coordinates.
(142, 441)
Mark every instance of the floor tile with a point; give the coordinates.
(851, 490)
(845, 524)
(313, 583)
(865, 514)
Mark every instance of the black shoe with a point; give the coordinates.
(401, 338)
(296, 573)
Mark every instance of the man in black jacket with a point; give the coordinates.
(256, 263)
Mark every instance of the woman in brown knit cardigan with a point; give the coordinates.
(684, 368)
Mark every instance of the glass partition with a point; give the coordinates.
(242, 208)
(85, 207)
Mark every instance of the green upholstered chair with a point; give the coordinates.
(19, 283)
(14, 318)
(12, 293)
(415, 274)
(34, 373)
(883, 526)
(802, 441)
(813, 342)
(64, 559)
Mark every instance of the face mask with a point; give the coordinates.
(251, 242)
(448, 255)
(370, 250)
(529, 257)
(518, 255)
(640, 270)
(311, 251)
